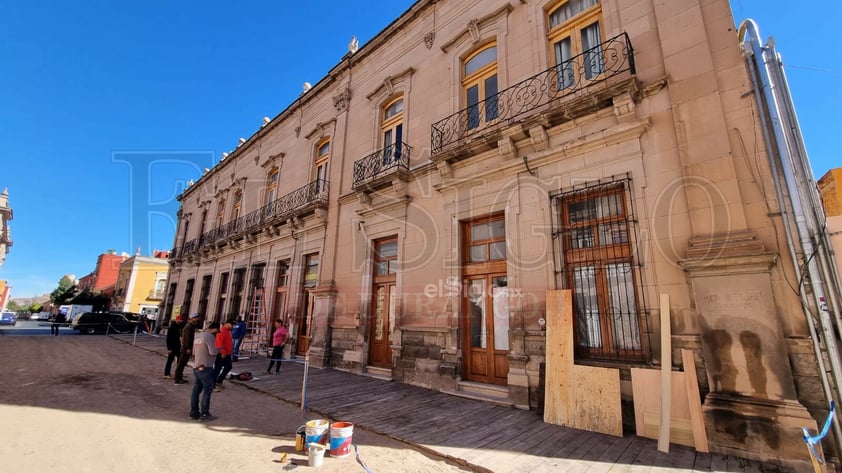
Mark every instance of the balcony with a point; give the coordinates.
(584, 81)
(381, 167)
(297, 203)
(156, 294)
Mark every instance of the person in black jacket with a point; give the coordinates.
(173, 344)
(188, 334)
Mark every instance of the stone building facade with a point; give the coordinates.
(407, 214)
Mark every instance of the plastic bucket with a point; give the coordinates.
(315, 454)
(341, 434)
(315, 431)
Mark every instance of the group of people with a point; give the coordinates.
(212, 351)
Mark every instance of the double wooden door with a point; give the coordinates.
(485, 329)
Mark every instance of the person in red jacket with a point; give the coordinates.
(225, 345)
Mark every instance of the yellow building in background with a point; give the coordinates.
(140, 284)
(830, 187)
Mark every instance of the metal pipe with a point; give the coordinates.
(817, 220)
(778, 147)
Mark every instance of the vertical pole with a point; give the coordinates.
(666, 375)
(134, 338)
(304, 383)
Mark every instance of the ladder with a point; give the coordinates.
(256, 337)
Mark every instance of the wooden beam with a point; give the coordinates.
(691, 384)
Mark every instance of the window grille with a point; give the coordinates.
(597, 258)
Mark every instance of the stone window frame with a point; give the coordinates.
(392, 87)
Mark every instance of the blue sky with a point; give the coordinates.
(108, 108)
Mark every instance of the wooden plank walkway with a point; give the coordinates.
(482, 436)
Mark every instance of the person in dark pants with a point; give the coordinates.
(238, 333)
(188, 334)
(57, 321)
(173, 344)
(204, 350)
(225, 346)
(279, 337)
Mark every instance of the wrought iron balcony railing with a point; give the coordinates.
(301, 200)
(156, 294)
(382, 162)
(595, 65)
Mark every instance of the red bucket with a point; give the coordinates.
(341, 435)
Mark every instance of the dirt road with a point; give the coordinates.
(94, 404)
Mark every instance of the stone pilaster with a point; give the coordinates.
(324, 303)
(752, 409)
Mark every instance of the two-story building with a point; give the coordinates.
(409, 212)
(140, 284)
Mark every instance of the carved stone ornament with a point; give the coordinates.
(389, 85)
(429, 38)
(539, 138)
(473, 29)
(445, 170)
(342, 100)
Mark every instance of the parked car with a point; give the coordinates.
(40, 316)
(8, 318)
(100, 322)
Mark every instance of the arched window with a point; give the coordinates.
(479, 84)
(272, 185)
(220, 212)
(575, 39)
(392, 128)
(321, 167)
(238, 203)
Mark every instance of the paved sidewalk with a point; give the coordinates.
(482, 436)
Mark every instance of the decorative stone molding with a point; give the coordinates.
(320, 130)
(507, 148)
(473, 29)
(364, 198)
(539, 138)
(429, 38)
(399, 187)
(272, 160)
(342, 101)
(399, 81)
(445, 170)
(624, 107)
(477, 28)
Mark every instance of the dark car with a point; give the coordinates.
(100, 322)
(8, 318)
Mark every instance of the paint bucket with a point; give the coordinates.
(315, 454)
(340, 439)
(300, 439)
(316, 432)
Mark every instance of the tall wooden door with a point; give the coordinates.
(486, 329)
(380, 353)
(383, 304)
(485, 305)
(305, 320)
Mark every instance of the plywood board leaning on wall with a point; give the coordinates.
(583, 397)
(686, 424)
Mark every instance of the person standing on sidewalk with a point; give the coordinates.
(188, 335)
(225, 346)
(57, 321)
(238, 333)
(204, 354)
(278, 340)
(173, 344)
